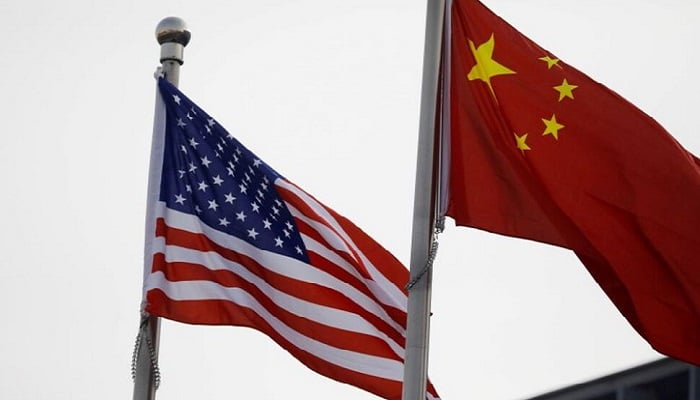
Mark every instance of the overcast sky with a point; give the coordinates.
(327, 92)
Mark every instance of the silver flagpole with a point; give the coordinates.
(173, 36)
(418, 324)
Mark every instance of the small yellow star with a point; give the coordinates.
(565, 90)
(550, 61)
(552, 127)
(486, 67)
(520, 142)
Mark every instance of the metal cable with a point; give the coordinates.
(439, 227)
(151, 353)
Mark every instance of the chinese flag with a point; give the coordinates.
(538, 150)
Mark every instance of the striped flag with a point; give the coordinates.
(231, 242)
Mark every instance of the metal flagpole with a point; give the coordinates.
(418, 323)
(173, 36)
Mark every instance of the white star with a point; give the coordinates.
(256, 162)
(181, 123)
(199, 210)
(278, 242)
(275, 210)
(176, 98)
(243, 188)
(211, 122)
(179, 199)
(193, 111)
(203, 186)
(223, 221)
(184, 150)
(246, 176)
(252, 233)
(278, 202)
(255, 207)
(218, 180)
(298, 249)
(181, 172)
(193, 143)
(235, 158)
(230, 171)
(264, 186)
(212, 205)
(267, 223)
(241, 216)
(188, 188)
(206, 161)
(286, 233)
(230, 198)
(189, 116)
(289, 225)
(192, 167)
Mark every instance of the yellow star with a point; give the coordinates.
(552, 127)
(486, 67)
(565, 90)
(550, 61)
(520, 142)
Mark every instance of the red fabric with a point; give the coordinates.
(611, 184)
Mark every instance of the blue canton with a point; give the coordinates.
(208, 173)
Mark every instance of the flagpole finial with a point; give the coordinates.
(173, 36)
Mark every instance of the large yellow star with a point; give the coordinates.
(486, 67)
(552, 127)
(520, 142)
(565, 90)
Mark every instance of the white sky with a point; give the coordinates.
(327, 92)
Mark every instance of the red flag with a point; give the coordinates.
(232, 242)
(538, 150)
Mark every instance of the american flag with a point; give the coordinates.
(232, 242)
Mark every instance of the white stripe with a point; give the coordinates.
(396, 296)
(204, 290)
(333, 317)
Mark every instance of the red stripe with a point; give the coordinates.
(187, 311)
(310, 292)
(342, 339)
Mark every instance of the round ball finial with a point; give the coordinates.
(172, 30)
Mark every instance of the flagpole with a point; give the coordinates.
(173, 36)
(424, 212)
